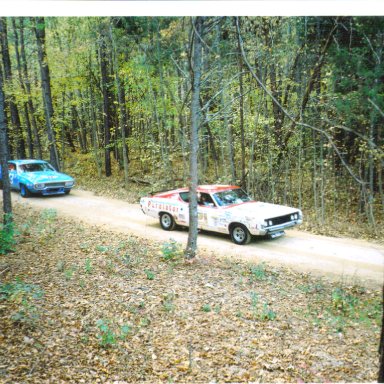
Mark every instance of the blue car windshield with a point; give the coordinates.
(36, 167)
(232, 196)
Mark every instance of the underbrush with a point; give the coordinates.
(100, 306)
(7, 234)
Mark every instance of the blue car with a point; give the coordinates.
(37, 177)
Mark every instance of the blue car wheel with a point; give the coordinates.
(24, 191)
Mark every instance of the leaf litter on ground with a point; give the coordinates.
(115, 308)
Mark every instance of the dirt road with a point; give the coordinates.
(350, 259)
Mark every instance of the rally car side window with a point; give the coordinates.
(206, 200)
(184, 196)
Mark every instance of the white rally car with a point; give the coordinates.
(224, 209)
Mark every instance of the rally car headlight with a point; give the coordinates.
(39, 186)
(69, 183)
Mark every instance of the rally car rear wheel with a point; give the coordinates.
(167, 222)
(240, 234)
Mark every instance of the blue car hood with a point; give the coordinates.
(46, 177)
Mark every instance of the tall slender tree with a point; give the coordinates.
(22, 85)
(46, 90)
(381, 346)
(7, 203)
(107, 98)
(123, 119)
(15, 117)
(241, 110)
(27, 82)
(196, 65)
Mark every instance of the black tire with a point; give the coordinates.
(167, 222)
(24, 191)
(240, 234)
(67, 191)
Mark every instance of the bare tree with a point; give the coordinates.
(196, 64)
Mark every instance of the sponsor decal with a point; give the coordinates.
(161, 206)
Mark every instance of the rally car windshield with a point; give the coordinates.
(36, 167)
(232, 196)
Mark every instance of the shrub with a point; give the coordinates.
(23, 296)
(171, 251)
(258, 272)
(108, 335)
(7, 238)
(150, 274)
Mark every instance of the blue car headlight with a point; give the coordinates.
(69, 183)
(39, 186)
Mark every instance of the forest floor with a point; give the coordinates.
(78, 304)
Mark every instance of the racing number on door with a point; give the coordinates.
(13, 179)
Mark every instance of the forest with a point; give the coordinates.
(291, 109)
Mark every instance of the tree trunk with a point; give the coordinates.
(94, 138)
(226, 123)
(15, 118)
(105, 86)
(241, 111)
(123, 112)
(314, 76)
(381, 347)
(164, 125)
(46, 89)
(22, 85)
(82, 122)
(7, 203)
(190, 251)
(31, 108)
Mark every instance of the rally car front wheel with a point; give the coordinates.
(167, 222)
(24, 191)
(240, 234)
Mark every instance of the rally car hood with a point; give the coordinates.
(46, 177)
(261, 210)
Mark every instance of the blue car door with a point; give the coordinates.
(13, 176)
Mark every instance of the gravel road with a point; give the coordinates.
(341, 258)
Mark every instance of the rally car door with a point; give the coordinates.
(208, 214)
(13, 176)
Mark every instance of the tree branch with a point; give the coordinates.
(292, 119)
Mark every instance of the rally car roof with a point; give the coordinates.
(201, 188)
(27, 161)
